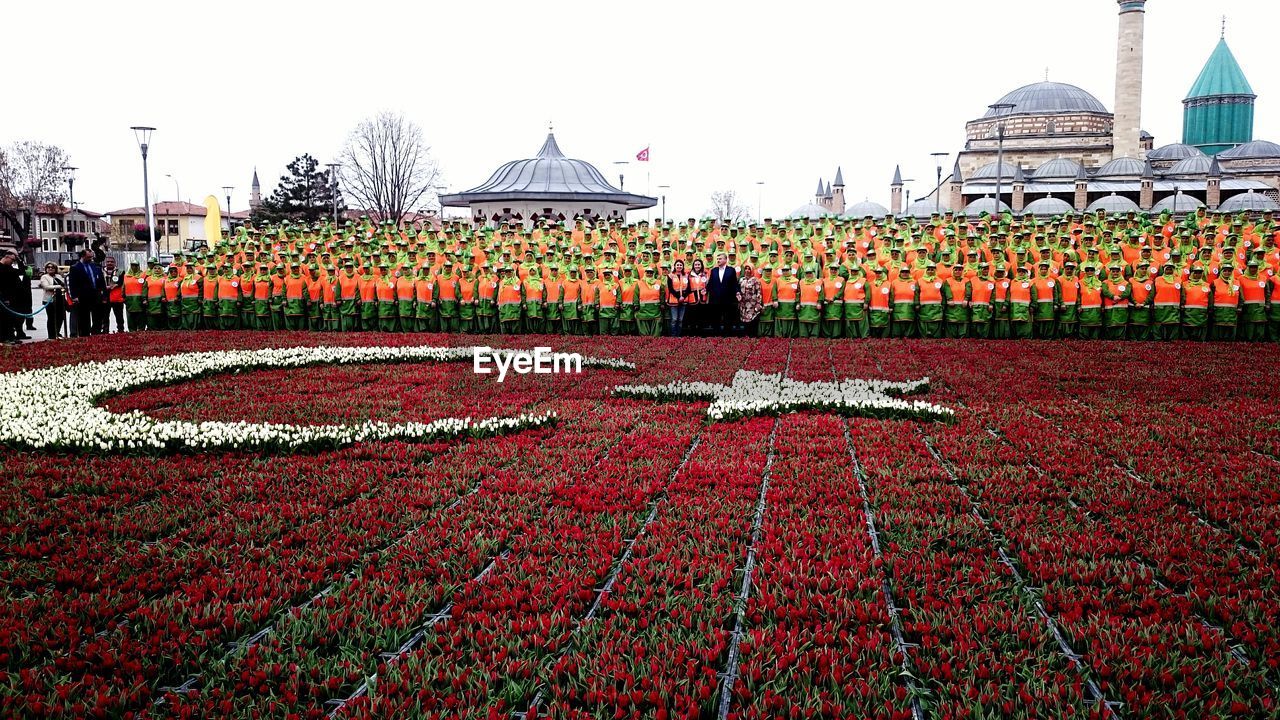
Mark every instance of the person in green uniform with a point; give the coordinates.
(608, 311)
(229, 307)
(447, 286)
(649, 310)
(1224, 305)
(295, 310)
(588, 310)
(467, 309)
(855, 312)
(1020, 319)
(833, 302)
(276, 302)
(348, 307)
(809, 314)
(486, 300)
(554, 299)
(1090, 317)
(1002, 305)
(1140, 313)
(627, 310)
(173, 310)
(388, 309)
(1045, 309)
(956, 304)
(785, 316)
(980, 311)
(1195, 318)
(929, 314)
(1068, 311)
(155, 300)
(569, 308)
(135, 305)
(245, 278)
(1168, 317)
(1117, 293)
(509, 313)
(534, 291)
(879, 319)
(904, 296)
(1253, 314)
(190, 301)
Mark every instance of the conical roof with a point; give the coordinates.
(1221, 76)
(839, 178)
(547, 176)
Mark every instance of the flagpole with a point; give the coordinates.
(647, 172)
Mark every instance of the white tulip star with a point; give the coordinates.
(754, 393)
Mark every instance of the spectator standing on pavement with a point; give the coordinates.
(54, 299)
(88, 292)
(115, 296)
(11, 287)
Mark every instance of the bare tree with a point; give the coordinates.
(31, 174)
(726, 208)
(387, 167)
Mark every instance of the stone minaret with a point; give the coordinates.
(1128, 119)
(895, 191)
(255, 192)
(837, 193)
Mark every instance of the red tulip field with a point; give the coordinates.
(689, 528)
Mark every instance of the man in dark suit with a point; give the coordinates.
(11, 289)
(88, 292)
(722, 295)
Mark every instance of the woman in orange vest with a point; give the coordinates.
(173, 298)
(678, 292)
(649, 308)
(190, 292)
(694, 319)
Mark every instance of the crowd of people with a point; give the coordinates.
(1135, 276)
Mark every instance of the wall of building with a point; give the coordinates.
(1042, 126)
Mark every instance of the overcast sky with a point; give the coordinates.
(726, 94)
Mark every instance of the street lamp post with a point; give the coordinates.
(937, 189)
(907, 184)
(71, 189)
(999, 108)
(760, 201)
(227, 189)
(664, 202)
(143, 135)
(621, 166)
(333, 190)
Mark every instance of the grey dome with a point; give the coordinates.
(1058, 169)
(865, 208)
(1121, 167)
(549, 176)
(1180, 203)
(810, 211)
(1048, 98)
(1113, 204)
(1252, 150)
(988, 172)
(1249, 201)
(1048, 206)
(1173, 151)
(985, 204)
(923, 208)
(1194, 165)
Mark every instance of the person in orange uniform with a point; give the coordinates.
(295, 299)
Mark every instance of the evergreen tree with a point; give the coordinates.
(304, 194)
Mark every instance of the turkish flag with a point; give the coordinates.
(643, 155)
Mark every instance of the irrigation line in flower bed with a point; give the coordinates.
(886, 588)
(744, 595)
(1242, 544)
(1095, 692)
(1232, 644)
(603, 591)
(441, 615)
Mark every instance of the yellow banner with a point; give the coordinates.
(212, 220)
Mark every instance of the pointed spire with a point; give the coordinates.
(549, 148)
(955, 173)
(828, 191)
(1081, 175)
(897, 175)
(1018, 175)
(1215, 170)
(255, 185)
(1221, 75)
(819, 192)
(839, 178)
(1148, 172)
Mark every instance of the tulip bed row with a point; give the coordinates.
(1107, 553)
(1086, 535)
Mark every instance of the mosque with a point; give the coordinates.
(1063, 151)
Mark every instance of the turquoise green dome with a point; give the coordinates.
(1218, 112)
